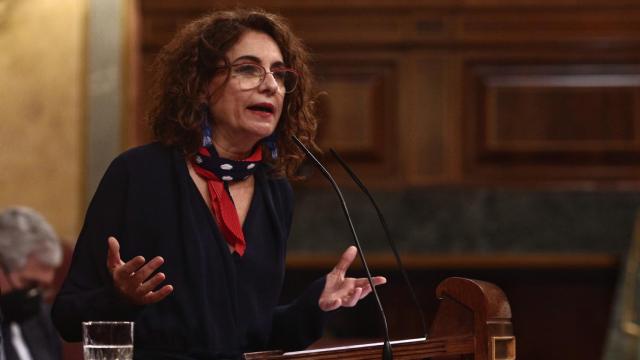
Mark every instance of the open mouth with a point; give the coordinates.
(262, 107)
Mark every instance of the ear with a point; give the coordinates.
(205, 93)
(205, 96)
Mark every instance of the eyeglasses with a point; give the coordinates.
(250, 76)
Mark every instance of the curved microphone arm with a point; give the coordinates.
(392, 244)
(387, 352)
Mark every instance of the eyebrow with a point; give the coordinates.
(256, 59)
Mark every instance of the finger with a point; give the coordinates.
(366, 287)
(353, 298)
(113, 254)
(155, 296)
(345, 260)
(329, 305)
(341, 289)
(126, 271)
(152, 283)
(144, 272)
(365, 291)
(377, 280)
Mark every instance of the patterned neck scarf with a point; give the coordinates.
(218, 172)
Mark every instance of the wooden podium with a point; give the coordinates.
(473, 321)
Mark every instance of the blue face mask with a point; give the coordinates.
(20, 305)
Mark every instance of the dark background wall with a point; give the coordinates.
(500, 137)
(554, 253)
(470, 220)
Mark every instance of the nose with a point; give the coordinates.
(269, 83)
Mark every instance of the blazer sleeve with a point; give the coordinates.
(298, 324)
(87, 293)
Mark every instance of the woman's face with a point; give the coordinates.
(242, 117)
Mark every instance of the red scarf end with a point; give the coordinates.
(240, 248)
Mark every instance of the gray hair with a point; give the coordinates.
(23, 232)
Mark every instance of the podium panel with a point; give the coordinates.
(473, 321)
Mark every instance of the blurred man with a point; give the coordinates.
(30, 252)
(2, 357)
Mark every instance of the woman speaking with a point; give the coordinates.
(187, 235)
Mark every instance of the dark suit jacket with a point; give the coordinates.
(40, 336)
(223, 304)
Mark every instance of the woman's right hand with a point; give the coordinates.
(131, 279)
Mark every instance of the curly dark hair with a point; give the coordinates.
(185, 66)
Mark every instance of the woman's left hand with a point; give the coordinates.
(345, 291)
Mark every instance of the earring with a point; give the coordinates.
(270, 142)
(205, 119)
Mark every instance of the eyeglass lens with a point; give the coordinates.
(252, 75)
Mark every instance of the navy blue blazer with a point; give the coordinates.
(222, 304)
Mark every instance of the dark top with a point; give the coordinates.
(39, 336)
(2, 357)
(222, 304)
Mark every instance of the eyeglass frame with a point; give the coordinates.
(229, 67)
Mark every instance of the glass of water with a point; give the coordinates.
(107, 340)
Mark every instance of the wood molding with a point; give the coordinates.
(357, 112)
(440, 80)
(463, 261)
(358, 115)
(580, 118)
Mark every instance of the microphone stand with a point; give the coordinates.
(387, 353)
(392, 244)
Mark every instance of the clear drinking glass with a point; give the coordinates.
(107, 340)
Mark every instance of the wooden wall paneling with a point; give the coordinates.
(426, 135)
(561, 111)
(406, 104)
(465, 26)
(333, 28)
(173, 5)
(456, 39)
(456, 110)
(605, 27)
(550, 116)
(433, 117)
(351, 115)
(347, 28)
(158, 27)
(357, 107)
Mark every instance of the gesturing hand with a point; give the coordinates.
(344, 291)
(130, 279)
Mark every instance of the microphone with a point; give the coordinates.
(392, 244)
(387, 353)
